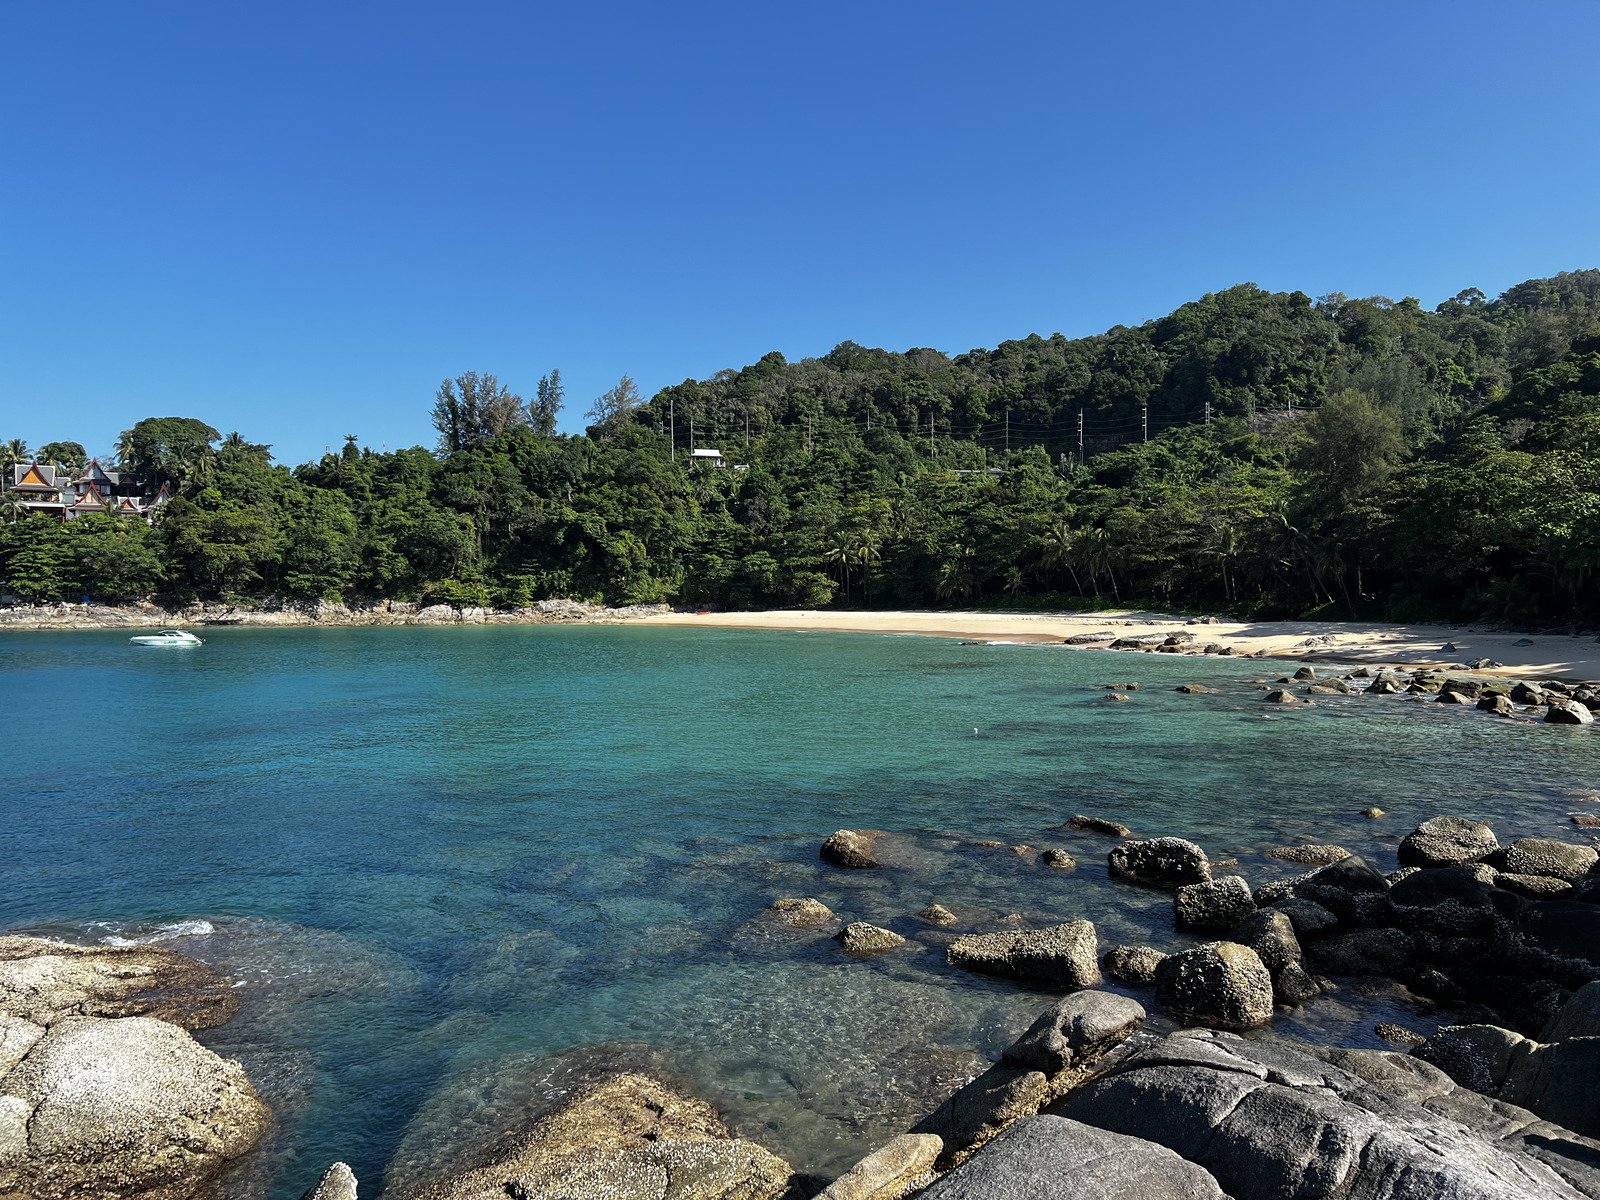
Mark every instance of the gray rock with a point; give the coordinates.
(1498, 704)
(1578, 1017)
(120, 1107)
(1330, 687)
(41, 980)
(984, 1107)
(1448, 842)
(1074, 1032)
(937, 914)
(1307, 916)
(1527, 693)
(1270, 1121)
(850, 849)
(1270, 933)
(1085, 824)
(1214, 907)
(1053, 1158)
(1060, 957)
(1132, 964)
(1166, 862)
(805, 913)
(1293, 984)
(338, 1182)
(860, 938)
(1280, 696)
(1221, 984)
(1306, 673)
(1058, 860)
(1383, 686)
(889, 1171)
(1559, 1081)
(1568, 712)
(1309, 855)
(1545, 856)
(1366, 952)
(1534, 887)
(628, 1136)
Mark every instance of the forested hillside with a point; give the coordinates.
(1353, 457)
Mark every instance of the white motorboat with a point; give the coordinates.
(167, 637)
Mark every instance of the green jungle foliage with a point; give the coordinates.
(1340, 457)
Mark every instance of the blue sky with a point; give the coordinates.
(295, 220)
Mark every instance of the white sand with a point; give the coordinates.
(1549, 656)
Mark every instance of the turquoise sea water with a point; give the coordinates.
(459, 869)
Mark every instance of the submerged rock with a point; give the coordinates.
(1221, 984)
(937, 914)
(1062, 956)
(1166, 862)
(338, 1182)
(1448, 842)
(804, 913)
(860, 938)
(1132, 964)
(1085, 824)
(889, 1172)
(628, 1136)
(851, 849)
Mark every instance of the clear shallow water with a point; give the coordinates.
(459, 868)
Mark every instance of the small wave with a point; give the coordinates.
(162, 933)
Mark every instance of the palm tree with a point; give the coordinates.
(1016, 581)
(1059, 548)
(1287, 547)
(868, 547)
(12, 505)
(193, 464)
(12, 452)
(1100, 555)
(1223, 545)
(957, 578)
(842, 554)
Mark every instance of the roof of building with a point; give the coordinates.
(704, 453)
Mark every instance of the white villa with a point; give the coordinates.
(46, 489)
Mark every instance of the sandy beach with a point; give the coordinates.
(1553, 656)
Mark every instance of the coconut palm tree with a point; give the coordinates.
(12, 452)
(1059, 548)
(1223, 545)
(1100, 555)
(1016, 581)
(958, 578)
(868, 551)
(13, 506)
(842, 555)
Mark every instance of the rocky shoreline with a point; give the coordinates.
(274, 611)
(103, 1092)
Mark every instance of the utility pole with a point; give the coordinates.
(672, 417)
(930, 436)
(1144, 424)
(811, 428)
(1008, 431)
(1080, 437)
(747, 429)
(691, 435)
(1208, 412)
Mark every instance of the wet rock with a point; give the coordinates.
(1089, 639)
(1384, 687)
(889, 1172)
(1194, 689)
(851, 849)
(1274, 1120)
(937, 914)
(1527, 693)
(1166, 862)
(1060, 957)
(42, 980)
(1568, 712)
(984, 1107)
(1221, 984)
(1214, 907)
(338, 1182)
(1294, 985)
(1545, 856)
(1306, 673)
(1468, 689)
(1115, 698)
(1372, 814)
(1134, 965)
(130, 1106)
(1366, 952)
(860, 938)
(1398, 1034)
(1500, 705)
(1585, 821)
(1449, 902)
(1559, 1081)
(1330, 687)
(1279, 696)
(804, 913)
(1053, 1158)
(1085, 824)
(1308, 855)
(627, 1136)
(1058, 860)
(1563, 938)
(1271, 935)
(1446, 696)
(1448, 842)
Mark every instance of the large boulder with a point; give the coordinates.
(1560, 1081)
(889, 1171)
(1053, 1158)
(1062, 957)
(1221, 984)
(1270, 933)
(1271, 1121)
(1366, 952)
(130, 1106)
(631, 1136)
(1132, 964)
(1578, 1017)
(1165, 862)
(860, 938)
(802, 912)
(1450, 902)
(1568, 712)
(41, 980)
(1561, 939)
(1448, 842)
(1075, 1031)
(1214, 907)
(1546, 856)
(851, 849)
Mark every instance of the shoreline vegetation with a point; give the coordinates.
(1260, 454)
(1498, 943)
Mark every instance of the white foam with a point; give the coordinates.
(162, 933)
